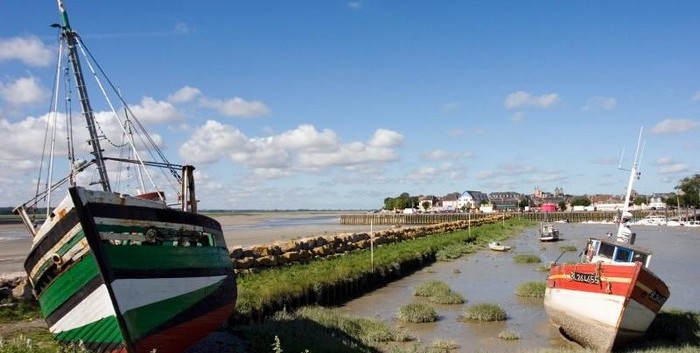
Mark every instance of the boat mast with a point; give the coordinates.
(634, 174)
(94, 141)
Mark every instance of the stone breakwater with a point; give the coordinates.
(305, 249)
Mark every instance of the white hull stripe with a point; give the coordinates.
(135, 293)
(94, 307)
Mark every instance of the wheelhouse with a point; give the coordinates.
(603, 250)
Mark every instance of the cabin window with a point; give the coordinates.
(640, 257)
(623, 255)
(606, 250)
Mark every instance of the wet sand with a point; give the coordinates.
(240, 229)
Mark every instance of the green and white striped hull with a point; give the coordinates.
(129, 275)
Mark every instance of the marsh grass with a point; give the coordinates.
(455, 251)
(526, 259)
(484, 312)
(442, 345)
(22, 343)
(19, 311)
(568, 248)
(417, 313)
(543, 268)
(438, 292)
(318, 329)
(509, 335)
(534, 289)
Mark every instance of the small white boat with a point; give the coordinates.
(548, 232)
(652, 220)
(496, 246)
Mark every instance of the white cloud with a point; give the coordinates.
(30, 50)
(597, 104)
(303, 149)
(152, 111)
(522, 99)
(673, 168)
(184, 95)
(210, 142)
(517, 117)
(672, 126)
(236, 106)
(435, 155)
(355, 5)
(664, 160)
(23, 91)
(450, 107)
(439, 154)
(385, 138)
(696, 97)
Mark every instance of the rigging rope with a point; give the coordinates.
(143, 132)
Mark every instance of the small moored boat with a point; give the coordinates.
(497, 246)
(548, 232)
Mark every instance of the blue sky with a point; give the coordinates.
(340, 104)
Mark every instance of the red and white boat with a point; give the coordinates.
(610, 296)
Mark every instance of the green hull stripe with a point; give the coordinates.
(61, 251)
(102, 331)
(163, 257)
(144, 320)
(69, 282)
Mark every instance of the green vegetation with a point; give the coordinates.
(568, 248)
(533, 289)
(318, 330)
(405, 200)
(441, 345)
(509, 335)
(690, 195)
(527, 259)
(543, 268)
(19, 311)
(417, 313)
(438, 292)
(455, 251)
(484, 312)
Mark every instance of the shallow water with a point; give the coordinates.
(489, 276)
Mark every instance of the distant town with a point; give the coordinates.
(538, 201)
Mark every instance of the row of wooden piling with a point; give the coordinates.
(433, 218)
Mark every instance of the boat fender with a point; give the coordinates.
(151, 234)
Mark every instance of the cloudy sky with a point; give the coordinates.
(340, 104)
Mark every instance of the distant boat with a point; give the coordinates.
(116, 272)
(610, 296)
(652, 219)
(548, 232)
(496, 246)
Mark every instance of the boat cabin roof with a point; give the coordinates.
(610, 250)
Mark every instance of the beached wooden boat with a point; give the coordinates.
(610, 296)
(497, 246)
(123, 273)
